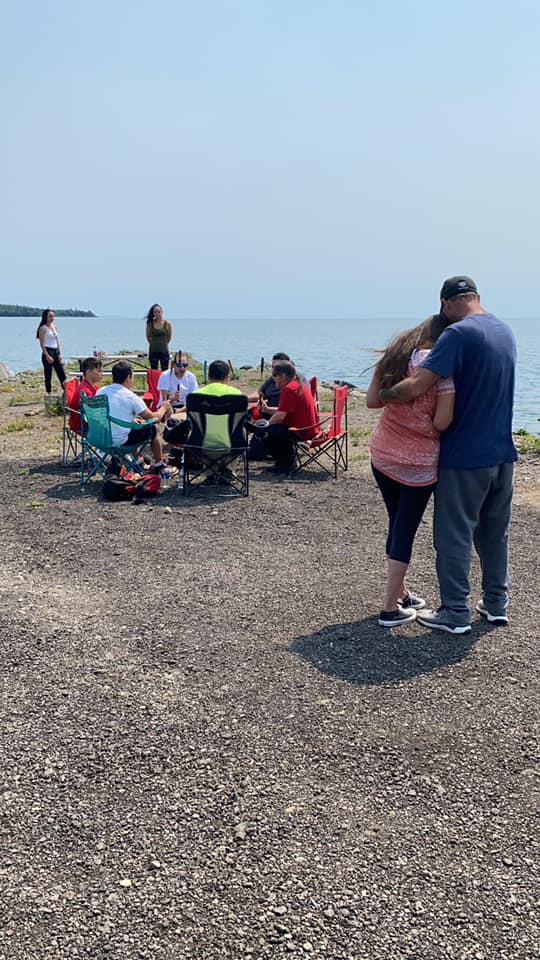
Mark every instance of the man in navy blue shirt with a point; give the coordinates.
(473, 495)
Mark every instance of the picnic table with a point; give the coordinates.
(137, 360)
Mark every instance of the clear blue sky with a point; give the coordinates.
(260, 158)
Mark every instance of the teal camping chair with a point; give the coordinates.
(97, 443)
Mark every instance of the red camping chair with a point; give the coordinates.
(151, 397)
(329, 448)
(314, 391)
(71, 430)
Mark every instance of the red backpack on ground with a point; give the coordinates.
(121, 485)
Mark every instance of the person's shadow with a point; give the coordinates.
(361, 652)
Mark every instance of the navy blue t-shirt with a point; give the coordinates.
(479, 352)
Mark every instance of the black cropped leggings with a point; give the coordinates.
(405, 507)
(157, 360)
(49, 367)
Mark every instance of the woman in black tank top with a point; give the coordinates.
(158, 334)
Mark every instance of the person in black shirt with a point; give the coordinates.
(267, 400)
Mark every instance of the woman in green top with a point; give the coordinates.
(158, 334)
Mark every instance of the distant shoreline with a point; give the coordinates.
(17, 310)
(337, 350)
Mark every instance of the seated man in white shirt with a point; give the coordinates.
(175, 384)
(126, 405)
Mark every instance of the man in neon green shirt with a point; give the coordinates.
(217, 434)
(219, 375)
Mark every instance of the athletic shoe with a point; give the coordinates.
(441, 620)
(500, 619)
(157, 467)
(278, 470)
(394, 618)
(412, 600)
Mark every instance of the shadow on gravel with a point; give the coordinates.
(303, 478)
(364, 653)
(170, 497)
(65, 480)
(68, 487)
(47, 468)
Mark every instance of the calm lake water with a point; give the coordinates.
(331, 349)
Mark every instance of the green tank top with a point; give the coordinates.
(158, 340)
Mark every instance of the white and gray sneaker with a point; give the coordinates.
(499, 619)
(441, 620)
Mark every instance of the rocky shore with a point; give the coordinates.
(210, 749)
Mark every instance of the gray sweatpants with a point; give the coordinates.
(473, 506)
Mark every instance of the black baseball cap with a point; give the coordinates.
(456, 285)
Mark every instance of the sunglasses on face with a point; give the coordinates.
(183, 365)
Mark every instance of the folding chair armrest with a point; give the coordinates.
(312, 426)
(325, 418)
(71, 411)
(131, 424)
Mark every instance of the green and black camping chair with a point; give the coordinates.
(216, 450)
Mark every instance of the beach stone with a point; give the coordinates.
(6, 373)
(54, 406)
(345, 383)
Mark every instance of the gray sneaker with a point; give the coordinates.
(441, 620)
(499, 619)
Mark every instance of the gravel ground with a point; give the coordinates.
(212, 750)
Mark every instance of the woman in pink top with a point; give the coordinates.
(405, 456)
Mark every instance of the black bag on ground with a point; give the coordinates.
(116, 488)
(147, 486)
(176, 431)
(119, 488)
(257, 449)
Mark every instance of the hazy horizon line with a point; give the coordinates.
(267, 319)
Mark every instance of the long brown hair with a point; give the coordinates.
(43, 321)
(392, 367)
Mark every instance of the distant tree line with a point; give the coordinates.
(18, 310)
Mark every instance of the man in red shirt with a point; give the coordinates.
(92, 374)
(295, 418)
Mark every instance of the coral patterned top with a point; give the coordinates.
(405, 444)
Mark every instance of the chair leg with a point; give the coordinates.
(70, 444)
(92, 462)
(329, 457)
(222, 470)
